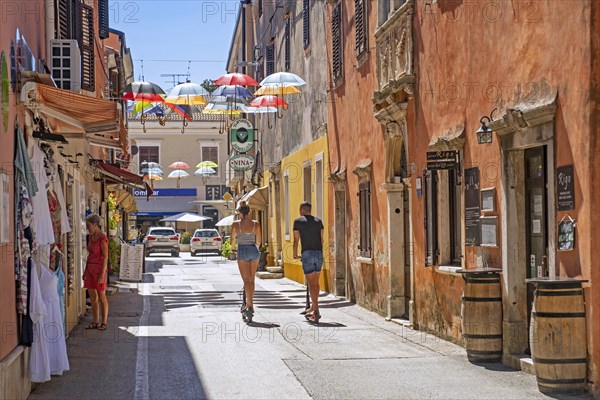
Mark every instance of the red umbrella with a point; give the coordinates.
(236, 79)
(179, 165)
(268, 101)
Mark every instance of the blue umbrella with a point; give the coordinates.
(232, 90)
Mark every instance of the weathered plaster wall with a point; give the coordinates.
(355, 135)
(471, 58)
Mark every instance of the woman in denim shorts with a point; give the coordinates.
(245, 239)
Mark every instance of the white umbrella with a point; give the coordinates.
(283, 78)
(185, 217)
(205, 171)
(227, 221)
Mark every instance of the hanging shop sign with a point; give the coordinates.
(5, 84)
(442, 160)
(565, 188)
(472, 207)
(566, 234)
(242, 135)
(241, 162)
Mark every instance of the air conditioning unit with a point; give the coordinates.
(66, 64)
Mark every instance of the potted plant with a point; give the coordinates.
(114, 256)
(114, 216)
(226, 250)
(262, 262)
(185, 241)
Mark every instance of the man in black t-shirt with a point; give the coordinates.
(309, 231)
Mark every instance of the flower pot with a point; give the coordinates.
(112, 232)
(262, 262)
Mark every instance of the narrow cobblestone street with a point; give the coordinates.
(180, 335)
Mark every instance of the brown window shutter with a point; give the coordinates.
(270, 59)
(368, 219)
(63, 20)
(336, 37)
(431, 247)
(103, 19)
(86, 45)
(306, 23)
(360, 19)
(287, 44)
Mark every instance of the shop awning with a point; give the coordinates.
(257, 198)
(125, 177)
(78, 116)
(126, 201)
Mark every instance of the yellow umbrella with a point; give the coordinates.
(207, 164)
(276, 90)
(188, 100)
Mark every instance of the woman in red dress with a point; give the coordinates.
(94, 276)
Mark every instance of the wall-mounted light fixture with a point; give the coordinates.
(484, 133)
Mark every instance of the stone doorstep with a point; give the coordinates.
(275, 270)
(401, 321)
(527, 365)
(269, 275)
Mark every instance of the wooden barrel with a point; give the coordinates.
(481, 313)
(558, 338)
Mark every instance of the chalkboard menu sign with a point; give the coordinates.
(472, 207)
(565, 188)
(566, 235)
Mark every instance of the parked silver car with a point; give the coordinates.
(161, 239)
(206, 240)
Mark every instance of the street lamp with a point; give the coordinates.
(484, 133)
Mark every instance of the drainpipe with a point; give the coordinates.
(50, 25)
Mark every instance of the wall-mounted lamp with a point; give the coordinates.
(484, 133)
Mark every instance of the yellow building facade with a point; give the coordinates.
(301, 176)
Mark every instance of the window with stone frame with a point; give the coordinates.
(210, 153)
(361, 29)
(443, 229)
(385, 7)
(336, 42)
(148, 154)
(364, 200)
(306, 23)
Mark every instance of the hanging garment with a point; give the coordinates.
(26, 321)
(39, 358)
(53, 332)
(22, 164)
(42, 223)
(54, 206)
(60, 275)
(65, 225)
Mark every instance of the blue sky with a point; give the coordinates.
(176, 31)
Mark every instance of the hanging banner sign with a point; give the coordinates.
(242, 135)
(241, 162)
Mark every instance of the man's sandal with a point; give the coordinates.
(92, 325)
(102, 327)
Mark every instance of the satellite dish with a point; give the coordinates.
(134, 150)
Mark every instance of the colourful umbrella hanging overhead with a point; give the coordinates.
(268, 101)
(179, 165)
(205, 171)
(207, 164)
(184, 100)
(141, 90)
(236, 79)
(236, 91)
(283, 79)
(278, 90)
(178, 174)
(261, 110)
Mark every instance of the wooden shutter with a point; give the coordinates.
(63, 19)
(360, 18)
(287, 44)
(270, 59)
(306, 23)
(431, 248)
(210, 154)
(364, 199)
(86, 44)
(103, 23)
(336, 37)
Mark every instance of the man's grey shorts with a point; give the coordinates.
(312, 261)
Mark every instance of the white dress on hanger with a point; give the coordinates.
(53, 332)
(42, 222)
(39, 359)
